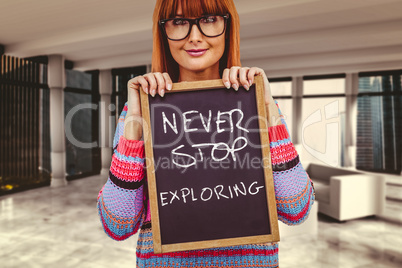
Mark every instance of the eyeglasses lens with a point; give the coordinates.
(211, 26)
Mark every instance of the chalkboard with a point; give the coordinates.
(208, 167)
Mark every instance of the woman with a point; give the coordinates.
(191, 46)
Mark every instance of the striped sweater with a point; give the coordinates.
(123, 205)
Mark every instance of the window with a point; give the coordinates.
(281, 87)
(286, 107)
(81, 97)
(328, 86)
(24, 124)
(281, 90)
(120, 79)
(323, 119)
(77, 79)
(379, 122)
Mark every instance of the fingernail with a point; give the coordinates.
(153, 93)
(246, 87)
(162, 93)
(227, 85)
(169, 87)
(146, 90)
(235, 87)
(250, 82)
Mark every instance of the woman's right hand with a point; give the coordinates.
(151, 83)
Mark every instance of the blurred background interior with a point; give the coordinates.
(335, 68)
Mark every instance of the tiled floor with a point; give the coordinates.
(59, 227)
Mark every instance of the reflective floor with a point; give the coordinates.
(59, 227)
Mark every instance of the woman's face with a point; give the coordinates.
(198, 54)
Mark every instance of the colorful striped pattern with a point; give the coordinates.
(293, 188)
(123, 203)
(258, 255)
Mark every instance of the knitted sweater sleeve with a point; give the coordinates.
(121, 204)
(294, 190)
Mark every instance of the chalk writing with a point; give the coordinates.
(218, 192)
(206, 122)
(222, 118)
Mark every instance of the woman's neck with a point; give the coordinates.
(208, 74)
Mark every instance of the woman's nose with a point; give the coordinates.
(195, 34)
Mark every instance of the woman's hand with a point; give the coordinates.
(236, 76)
(151, 83)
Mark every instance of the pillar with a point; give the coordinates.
(106, 125)
(57, 83)
(297, 96)
(351, 92)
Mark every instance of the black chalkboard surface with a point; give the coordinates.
(208, 167)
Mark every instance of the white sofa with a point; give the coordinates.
(346, 194)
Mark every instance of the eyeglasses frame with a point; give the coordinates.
(192, 22)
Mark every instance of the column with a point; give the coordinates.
(57, 82)
(351, 92)
(297, 95)
(106, 125)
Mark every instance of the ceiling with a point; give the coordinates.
(285, 37)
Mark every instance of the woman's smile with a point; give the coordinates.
(196, 52)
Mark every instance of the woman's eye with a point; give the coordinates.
(179, 22)
(209, 19)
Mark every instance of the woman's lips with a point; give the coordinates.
(196, 52)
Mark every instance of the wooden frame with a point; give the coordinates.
(273, 218)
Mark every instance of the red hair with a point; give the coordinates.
(162, 60)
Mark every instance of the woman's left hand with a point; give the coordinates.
(244, 76)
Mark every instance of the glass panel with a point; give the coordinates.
(323, 121)
(77, 79)
(369, 133)
(121, 85)
(78, 123)
(379, 124)
(379, 136)
(121, 82)
(286, 107)
(281, 88)
(385, 83)
(43, 73)
(324, 86)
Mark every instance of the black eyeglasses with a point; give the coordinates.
(177, 29)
